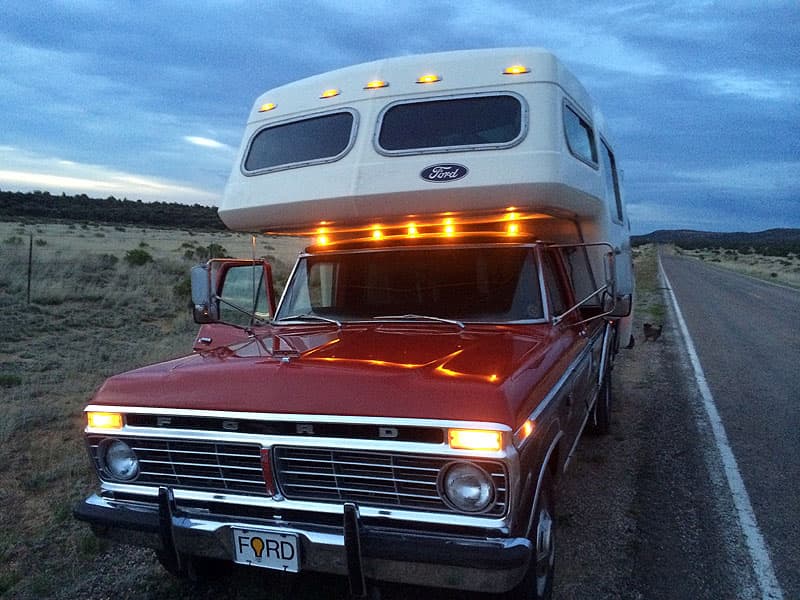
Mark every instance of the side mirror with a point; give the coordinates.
(621, 307)
(232, 291)
(205, 305)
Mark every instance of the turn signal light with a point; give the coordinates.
(104, 420)
(475, 439)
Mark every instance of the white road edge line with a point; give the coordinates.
(759, 555)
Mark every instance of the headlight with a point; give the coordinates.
(467, 487)
(119, 460)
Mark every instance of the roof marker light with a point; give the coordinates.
(412, 230)
(267, 107)
(376, 84)
(377, 234)
(449, 228)
(330, 93)
(516, 70)
(512, 229)
(429, 78)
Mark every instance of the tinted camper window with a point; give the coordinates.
(318, 139)
(435, 124)
(580, 138)
(611, 180)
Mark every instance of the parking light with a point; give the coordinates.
(475, 439)
(104, 420)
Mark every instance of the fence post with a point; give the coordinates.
(30, 265)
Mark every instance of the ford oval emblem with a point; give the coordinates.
(444, 173)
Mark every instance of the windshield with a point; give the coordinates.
(485, 284)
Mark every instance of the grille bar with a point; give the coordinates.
(380, 479)
(206, 466)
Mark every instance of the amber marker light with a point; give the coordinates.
(267, 107)
(377, 234)
(516, 70)
(376, 84)
(475, 439)
(104, 420)
(412, 230)
(330, 93)
(429, 78)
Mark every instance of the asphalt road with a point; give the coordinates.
(747, 339)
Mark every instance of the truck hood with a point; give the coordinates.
(480, 373)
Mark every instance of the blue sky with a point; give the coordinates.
(148, 100)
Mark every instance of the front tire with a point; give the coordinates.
(538, 581)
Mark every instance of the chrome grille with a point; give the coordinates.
(207, 466)
(378, 479)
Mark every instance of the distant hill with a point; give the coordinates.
(45, 206)
(773, 242)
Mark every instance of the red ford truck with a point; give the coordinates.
(405, 410)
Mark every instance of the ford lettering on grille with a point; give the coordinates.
(444, 173)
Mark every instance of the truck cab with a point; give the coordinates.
(404, 411)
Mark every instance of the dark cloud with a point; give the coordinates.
(701, 98)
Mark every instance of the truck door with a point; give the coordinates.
(576, 338)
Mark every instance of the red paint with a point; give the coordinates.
(482, 373)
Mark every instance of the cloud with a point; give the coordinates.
(758, 88)
(27, 171)
(206, 142)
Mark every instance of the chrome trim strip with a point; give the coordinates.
(279, 503)
(290, 417)
(267, 441)
(542, 470)
(556, 389)
(581, 430)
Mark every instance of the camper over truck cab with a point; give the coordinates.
(404, 411)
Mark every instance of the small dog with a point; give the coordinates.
(651, 332)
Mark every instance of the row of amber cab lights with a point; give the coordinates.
(377, 84)
(447, 227)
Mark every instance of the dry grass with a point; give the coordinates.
(650, 305)
(778, 269)
(91, 315)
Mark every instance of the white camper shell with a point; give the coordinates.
(454, 134)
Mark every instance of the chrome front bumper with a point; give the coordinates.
(354, 549)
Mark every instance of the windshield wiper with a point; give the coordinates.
(310, 317)
(414, 317)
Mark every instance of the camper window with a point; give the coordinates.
(318, 139)
(580, 138)
(612, 181)
(475, 121)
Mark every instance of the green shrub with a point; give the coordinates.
(8, 380)
(138, 257)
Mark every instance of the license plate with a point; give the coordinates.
(268, 549)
